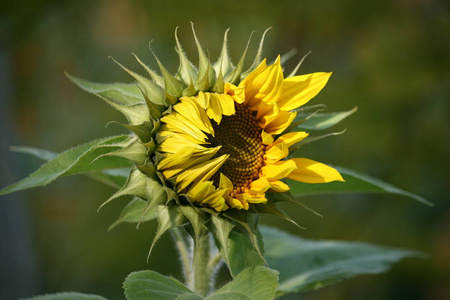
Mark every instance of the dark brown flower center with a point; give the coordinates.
(240, 137)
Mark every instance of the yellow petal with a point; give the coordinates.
(311, 171)
(195, 159)
(260, 185)
(200, 172)
(252, 198)
(264, 83)
(290, 138)
(191, 110)
(214, 110)
(267, 138)
(236, 203)
(267, 113)
(298, 90)
(278, 170)
(237, 93)
(226, 103)
(276, 153)
(279, 186)
(183, 155)
(281, 122)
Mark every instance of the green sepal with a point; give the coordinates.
(142, 131)
(172, 86)
(248, 221)
(151, 146)
(190, 90)
(133, 212)
(154, 110)
(287, 56)
(136, 185)
(219, 84)
(168, 216)
(273, 208)
(235, 76)
(206, 75)
(294, 72)
(156, 195)
(288, 197)
(311, 139)
(197, 219)
(122, 93)
(135, 152)
(148, 167)
(323, 121)
(258, 55)
(299, 119)
(186, 72)
(155, 77)
(151, 89)
(136, 114)
(224, 64)
(221, 229)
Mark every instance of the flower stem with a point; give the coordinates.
(183, 251)
(202, 272)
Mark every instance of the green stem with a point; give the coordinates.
(202, 273)
(183, 251)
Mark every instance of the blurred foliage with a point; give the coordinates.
(390, 58)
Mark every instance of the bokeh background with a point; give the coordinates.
(389, 58)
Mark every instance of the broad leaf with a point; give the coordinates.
(307, 265)
(115, 177)
(254, 283)
(322, 121)
(241, 253)
(354, 182)
(73, 161)
(147, 285)
(67, 296)
(134, 213)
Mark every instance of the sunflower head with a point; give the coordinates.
(211, 144)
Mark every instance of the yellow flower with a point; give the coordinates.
(226, 150)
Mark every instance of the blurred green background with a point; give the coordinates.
(389, 58)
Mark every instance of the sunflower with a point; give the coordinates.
(226, 150)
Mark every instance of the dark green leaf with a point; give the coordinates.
(306, 265)
(255, 283)
(322, 121)
(73, 161)
(134, 213)
(146, 285)
(67, 296)
(241, 253)
(354, 182)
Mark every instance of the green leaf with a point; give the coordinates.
(122, 93)
(145, 285)
(307, 265)
(241, 253)
(221, 229)
(255, 283)
(73, 161)
(168, 217)
(114, 177)
(322, 121)
(354, 182)
(66, 296)
(134, 213)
